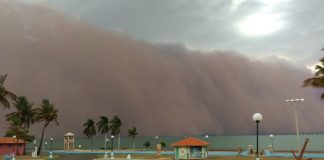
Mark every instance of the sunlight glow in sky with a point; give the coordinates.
(260, 24)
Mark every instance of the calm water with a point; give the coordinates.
(280, 142)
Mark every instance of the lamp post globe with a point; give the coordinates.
(257, 118)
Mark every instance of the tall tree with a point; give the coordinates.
(132, 132)
(5, 95)
(103, 127)
(47, 114)
(25, 112)
(318, 80)
(90, 130)
(115, 125)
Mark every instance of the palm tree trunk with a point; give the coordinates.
(24, 152)
(25, 126)
(133, 144)
(41, 141)
(119, 141)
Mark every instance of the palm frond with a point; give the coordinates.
(322, 96)
(10, 95)
(4, 102)
(316, 82)
(319, 70)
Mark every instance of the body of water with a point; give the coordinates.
(280, 142)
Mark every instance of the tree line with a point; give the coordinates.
(104, 126)
(25, 114)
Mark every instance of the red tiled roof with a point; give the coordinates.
(190, 142)
(10, 140)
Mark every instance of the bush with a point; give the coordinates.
(146, 144)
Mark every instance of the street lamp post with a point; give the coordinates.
(13, 144)
(51, 139)
(257, 118)
(271, 138)
(34, 145)
(294, 103)
(112, 146)
(107, 140)
(45, 146)
(206, 136)
(157, 140)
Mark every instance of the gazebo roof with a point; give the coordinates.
(10, 140)
(190, 142)
(69, 134)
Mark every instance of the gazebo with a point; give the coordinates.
(69, 141)
(190, 148)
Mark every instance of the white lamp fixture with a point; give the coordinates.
(257, 117)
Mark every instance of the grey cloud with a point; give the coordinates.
(162, 89)
(208, 24)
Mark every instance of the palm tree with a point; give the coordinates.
(25, 115)
(318, 80)
(25, 112)
(90, 130)
(47, 114)
(16, 129)
(5, 95)
(147, 144)
(103, 127)
(132, 133)
(115, 125)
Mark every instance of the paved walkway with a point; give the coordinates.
(77, 157)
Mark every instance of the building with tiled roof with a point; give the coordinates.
(190, 148)
(9, 145)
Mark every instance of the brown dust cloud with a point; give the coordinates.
(162, 89)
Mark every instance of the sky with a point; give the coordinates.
(290, 29)
(166, 67)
